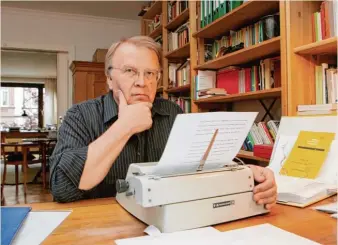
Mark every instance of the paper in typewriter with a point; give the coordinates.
(191, 135)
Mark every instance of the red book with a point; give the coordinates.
(228, 79)
(247, 79)
(263, 151)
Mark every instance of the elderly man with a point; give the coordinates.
(99, 138)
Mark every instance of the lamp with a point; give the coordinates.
(24, 114)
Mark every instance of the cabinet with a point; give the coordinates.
(89, 80)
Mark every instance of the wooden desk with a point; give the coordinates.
(22, 134)
(102, 221)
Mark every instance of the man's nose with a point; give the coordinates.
(140, 80)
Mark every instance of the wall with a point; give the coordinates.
(85, 33)
(79, 35)
(25, 64)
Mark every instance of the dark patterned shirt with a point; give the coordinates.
(84, 123)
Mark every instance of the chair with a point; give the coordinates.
(16, 158)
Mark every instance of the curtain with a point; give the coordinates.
(50, 102)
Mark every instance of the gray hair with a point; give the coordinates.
(140, 41)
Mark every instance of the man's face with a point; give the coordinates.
(134, 72)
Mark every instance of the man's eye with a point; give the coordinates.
(150, 73)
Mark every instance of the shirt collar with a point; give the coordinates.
(111, 108)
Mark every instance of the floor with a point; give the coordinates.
(35, 193)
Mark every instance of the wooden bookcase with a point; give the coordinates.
(298, 53)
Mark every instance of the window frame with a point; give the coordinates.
(40, 88)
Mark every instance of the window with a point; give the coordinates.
(4, 97)
(21, 105)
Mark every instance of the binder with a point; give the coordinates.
(11, 221)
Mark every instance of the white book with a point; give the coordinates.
(302, 192)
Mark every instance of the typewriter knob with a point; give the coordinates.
(121, 185)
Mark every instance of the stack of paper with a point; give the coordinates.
(331, 208)
(264, 234)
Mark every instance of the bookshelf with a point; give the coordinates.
(299, 54)
(269, 47)
(326, 46)
(244, 14)
(263, 94)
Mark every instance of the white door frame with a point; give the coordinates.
(70, 50)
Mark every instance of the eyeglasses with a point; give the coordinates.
(134, 74)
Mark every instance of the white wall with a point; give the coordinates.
(22, 64)
(86, 33)
(79, 35)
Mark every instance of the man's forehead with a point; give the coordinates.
(127, 53)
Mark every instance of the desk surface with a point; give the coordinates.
(101, 221)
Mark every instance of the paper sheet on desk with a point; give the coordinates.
(328, 208)
(265, 234)
(38, 225)
(168, 237)
(191, 135)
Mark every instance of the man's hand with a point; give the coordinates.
(266, 190)
(136, 117)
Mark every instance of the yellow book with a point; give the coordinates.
(308, 154)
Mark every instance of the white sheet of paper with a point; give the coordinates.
(168, 237)
(183, 154)
(38, 225)
(327, 208)
(264, 234)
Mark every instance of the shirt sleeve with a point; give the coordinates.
(68, 158)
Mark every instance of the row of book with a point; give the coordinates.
(322, 109)
(154, 23)
(211, 10)
(179, 74)
(324, 21)
(264, 29)
(235, 80)
(183, 102)
(261, 133)
(175, 8)
(326, 80)
(179, 37)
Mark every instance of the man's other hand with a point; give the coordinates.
(265, 192)
(137, 117)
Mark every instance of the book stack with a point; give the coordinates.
(326, 84)
(183, 102)
(324, 22)
(312, 110)
(179, 37)
(262, 133)
(179, 74)
(247, 36)
(211, 10)
(211, 92)
(155, 23)
(265, 75)
(175, 8)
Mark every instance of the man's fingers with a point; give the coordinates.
(263, 186)
(258, 173)
(269, 200)
(270, 192)
(269, 206)
(122, 99)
